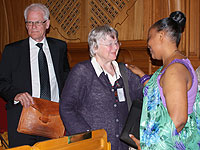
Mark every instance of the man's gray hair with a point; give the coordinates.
(35, 7)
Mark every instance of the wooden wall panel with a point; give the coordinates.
(72, 20)
(194, 29)
(131, 21)
(12, 24)
(4, 38)
(131, 52)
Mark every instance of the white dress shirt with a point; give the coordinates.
(98, 69)
(35, 77)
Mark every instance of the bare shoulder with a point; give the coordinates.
(177, 69)
(176, 73)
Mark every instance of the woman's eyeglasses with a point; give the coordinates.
(116, 43)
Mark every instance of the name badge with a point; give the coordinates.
(120, 94)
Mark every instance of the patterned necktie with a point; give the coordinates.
(45, 91)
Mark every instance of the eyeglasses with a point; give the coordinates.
(116, 43)
(36, 23)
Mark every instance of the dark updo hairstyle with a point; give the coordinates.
(173, 25)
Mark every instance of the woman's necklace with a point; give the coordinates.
(114, 71)
(168, 60)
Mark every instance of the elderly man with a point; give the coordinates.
(33, 67)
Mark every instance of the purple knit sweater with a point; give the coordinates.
(88, 103)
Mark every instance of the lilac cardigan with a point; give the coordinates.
(88, 103)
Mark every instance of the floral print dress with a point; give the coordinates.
(157, 130)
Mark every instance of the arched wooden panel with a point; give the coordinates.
(72, 20)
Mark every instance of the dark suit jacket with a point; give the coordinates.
(15, 73)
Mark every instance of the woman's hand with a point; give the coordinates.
(135, 70)
(136, 141)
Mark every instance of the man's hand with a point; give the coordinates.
(24, 98)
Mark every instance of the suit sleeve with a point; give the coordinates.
(72, 99)
(7, 89)
(66, 66)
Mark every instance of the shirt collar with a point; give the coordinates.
(96, 66)
(33, 43)
(98, 69)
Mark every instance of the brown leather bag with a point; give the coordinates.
(42, 119)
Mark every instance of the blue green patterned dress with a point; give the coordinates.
(157, 130)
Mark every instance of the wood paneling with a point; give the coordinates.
(72, 20)
(131, 52)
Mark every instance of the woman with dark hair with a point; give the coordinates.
(171, 105)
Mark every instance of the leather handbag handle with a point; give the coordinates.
(44, 119)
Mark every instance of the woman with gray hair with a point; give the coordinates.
(94, 93)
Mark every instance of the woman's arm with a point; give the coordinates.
(72, 97)
(138, 72)
(137, 142)
(176, 81)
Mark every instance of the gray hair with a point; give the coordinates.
(35, 7)
(98, 33)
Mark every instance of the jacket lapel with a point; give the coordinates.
(27, 72)
(55, 57)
